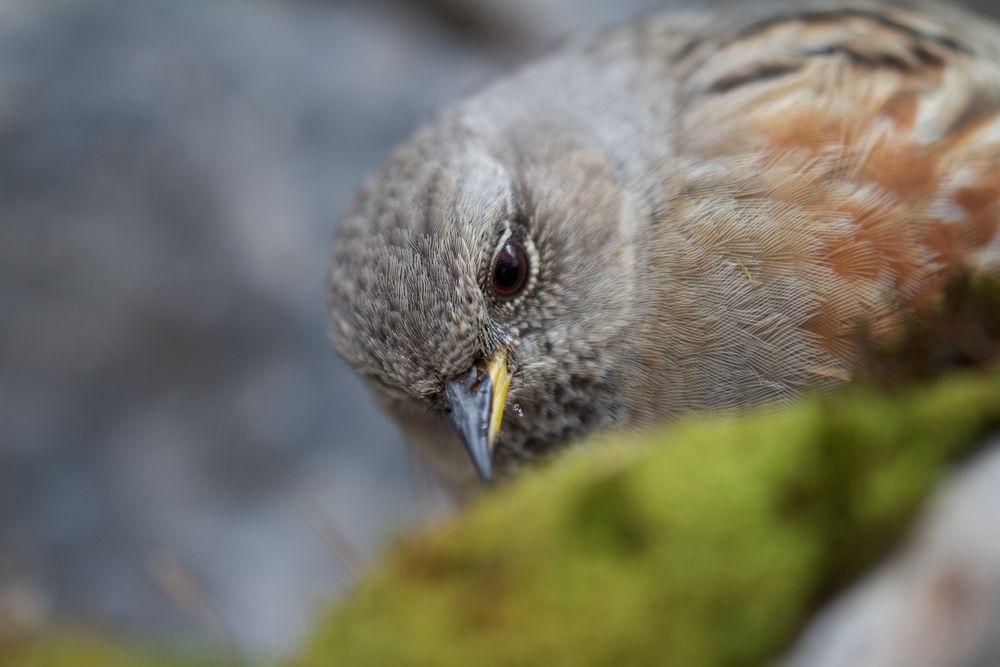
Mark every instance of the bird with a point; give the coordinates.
(703, 209)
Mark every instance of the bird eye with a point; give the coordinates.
(510, 272)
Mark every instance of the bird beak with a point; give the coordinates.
(477, 400)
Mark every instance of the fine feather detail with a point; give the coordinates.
(872, 140)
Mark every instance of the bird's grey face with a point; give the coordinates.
(455, 276)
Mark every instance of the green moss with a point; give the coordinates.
(705, 544)
(72, 647)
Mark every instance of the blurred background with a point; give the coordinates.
(179, 443)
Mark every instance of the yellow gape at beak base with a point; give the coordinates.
(500, 379)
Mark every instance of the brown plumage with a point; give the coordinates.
(872, 141)
(719, 209)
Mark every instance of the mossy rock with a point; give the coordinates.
(705, 544)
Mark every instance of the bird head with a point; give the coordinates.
(484, 280)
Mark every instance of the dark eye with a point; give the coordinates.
(510, 273)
